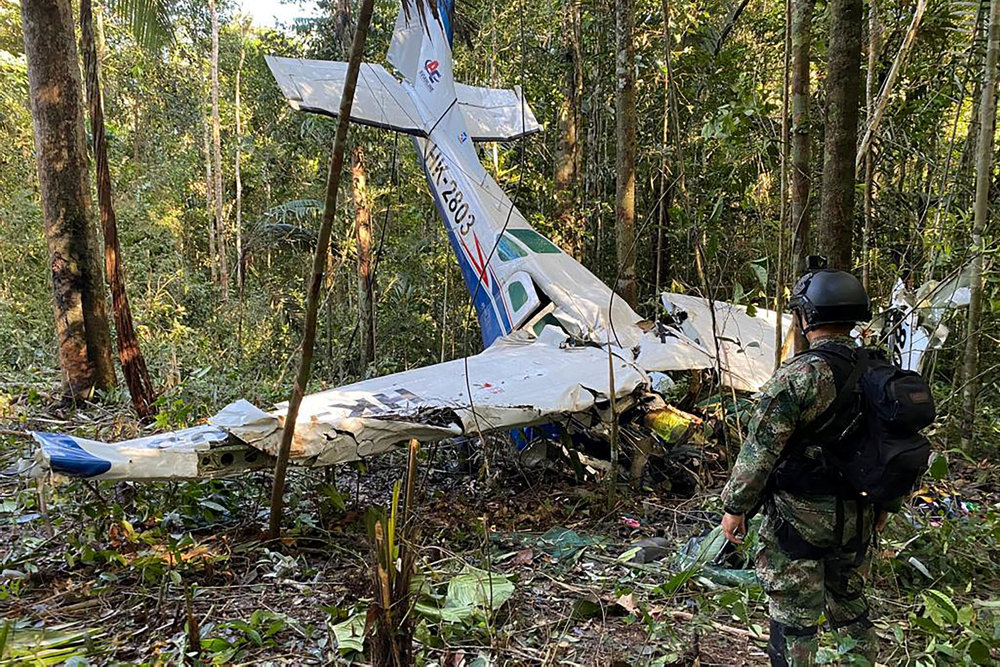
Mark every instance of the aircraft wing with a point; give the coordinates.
(181, 454)
(518, 382)
(317, 86)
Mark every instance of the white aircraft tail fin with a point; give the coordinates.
(421, 51)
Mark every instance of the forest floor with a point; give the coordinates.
(120, 573)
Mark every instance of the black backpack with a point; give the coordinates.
(870, 435)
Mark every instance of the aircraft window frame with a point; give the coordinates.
(534, 241)
(517, 294)
(547, 320)
(508, 249)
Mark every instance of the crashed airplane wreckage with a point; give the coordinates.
(558, 342)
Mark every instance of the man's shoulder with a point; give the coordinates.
(808, 381)
(805, 364)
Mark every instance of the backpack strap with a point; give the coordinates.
(840, 358)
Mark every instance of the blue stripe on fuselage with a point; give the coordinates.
(490, 309)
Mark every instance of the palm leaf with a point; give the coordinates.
(148, 20)
(295, 209)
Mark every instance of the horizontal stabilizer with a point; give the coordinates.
(317, 86)
(495, 114)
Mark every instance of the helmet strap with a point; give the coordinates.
(800, 320)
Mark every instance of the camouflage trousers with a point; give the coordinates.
(802, 589)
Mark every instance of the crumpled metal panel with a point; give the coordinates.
(745, 343)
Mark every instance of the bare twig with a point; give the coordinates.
(319, 265)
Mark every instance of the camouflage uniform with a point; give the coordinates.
(831, 580)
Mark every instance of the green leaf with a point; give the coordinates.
(629, 554)
(214, 506)
(710, 547)
(215, 644)
(987, 604)
(939, 608)
(926, 624)
(920, 567)
(738, 293)
(948, 650)
(472, 593)
(761, 272)
(979, 652)
(350, 634)
(717, 209)
(148, 20)
(334, 496)
(585, 608)
(939, 466)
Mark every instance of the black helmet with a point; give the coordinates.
(829, 296)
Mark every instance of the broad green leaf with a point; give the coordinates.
(979, 652)
(350, 634)
(214, 506)
(939, 608)
(939, 466)
(471, 593)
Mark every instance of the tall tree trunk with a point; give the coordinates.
(129, 353)
(875, 119)
(802, 13)
(363, 237)
(240, 264)
(57, 111)
(843, 86)
(213, 254)
(568, 148)
(220, 226)
(661, 249)
(977, 50)
(319, 263)
(874, 34)
(362, 215)
(779, 274)
(984, 166)
(580, 125)
(592, 168)
(625, 123)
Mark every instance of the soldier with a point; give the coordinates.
(813, 542)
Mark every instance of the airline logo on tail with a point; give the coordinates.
(430, 74)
